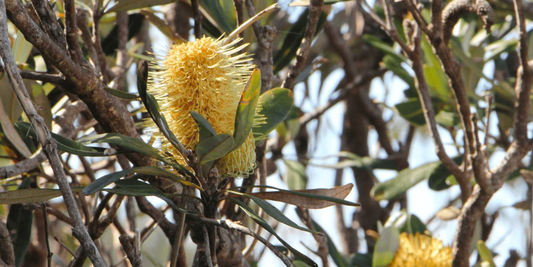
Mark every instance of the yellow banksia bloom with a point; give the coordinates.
(421, 250)
(206, 76)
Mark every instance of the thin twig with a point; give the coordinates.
(45, 218)
(177, 241)
(315, 8)
(46, 140)
(23, 166)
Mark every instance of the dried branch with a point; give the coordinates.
(72, 33)
(24, 166)
(46, 140)
(315, 8)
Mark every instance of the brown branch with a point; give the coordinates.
(265, 37)
(146, 207)
(23, 166)
(524, 78)
(7, 253)
(133, 253)
(71, 24)
(429, 115)
(50, 23)
(315, 7)
(43, 135)
(235, 226)
(197, 19)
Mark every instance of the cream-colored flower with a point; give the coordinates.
(421, 250)
(208, 77)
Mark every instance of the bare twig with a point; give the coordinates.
(315, 8)
(71, 24)
(45, 218)
(24, 166)
(46, 140)
(177, 241)
(133, 254)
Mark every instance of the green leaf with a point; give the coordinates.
(125, 5)
(244, 119)
(271, 230)
(355, 161)
(273, 212)
(411, 110)
(295, 176)
(152, 107)
(128, 142)
(104, 181)
(204, 127)
(485, 253)
(386, 247)
(499, 47)
(440, 178)
(383, 47)
(214, 147)
(134, 187)
(222, 12)
(361, 260)
(31, 195)
(274, 106)
(65, 144)
(121, 94)
(412, 225)
(406, 179)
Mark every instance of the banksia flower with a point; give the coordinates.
(208, 77)
(421, 250)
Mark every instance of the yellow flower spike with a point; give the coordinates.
(421, 251)
(207, 76)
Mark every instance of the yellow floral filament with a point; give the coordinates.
(421, 251)
(207, 77)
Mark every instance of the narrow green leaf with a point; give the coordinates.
(65, 144)
(223, 13)
(128, 142)
(32, 195)
(439, 179)
(152, 107)
(134, 187)
(386, 247)
(361, 260)
(121, 94)
(271, 230)
(274, 106)
(273, 212)
(204, 127)
(214, 147)
(403, 181)
(162, 173)
(244, 119)
(413, 225)
(104, 181)
(411, 110)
